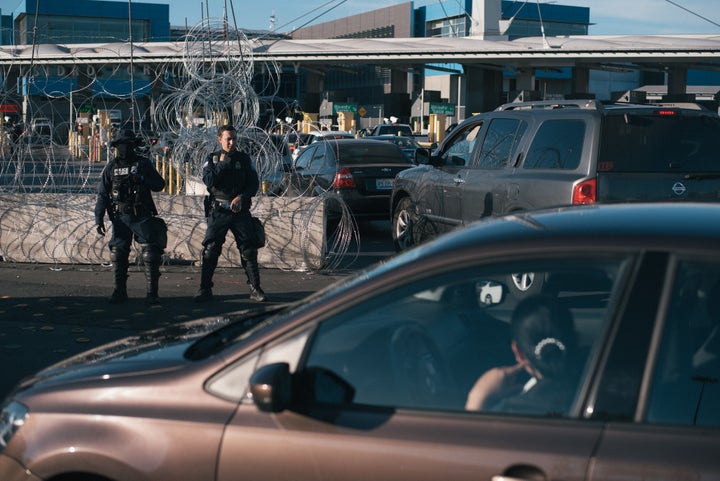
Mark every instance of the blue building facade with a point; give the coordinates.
(88, 21)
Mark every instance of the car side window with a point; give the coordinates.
(303, 160)
(459, 150)
(557, 145)
(499, 143)
(685, 387)
(320, 158)
(425, 344)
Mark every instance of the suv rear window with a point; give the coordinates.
(635, 142)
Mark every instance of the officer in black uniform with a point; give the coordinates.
(231, 182)
(125, 194)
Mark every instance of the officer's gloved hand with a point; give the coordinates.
(100, 229)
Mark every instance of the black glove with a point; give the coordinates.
(100, 229)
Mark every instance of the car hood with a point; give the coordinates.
(158, 350)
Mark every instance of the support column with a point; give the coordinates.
(481, 90)
(314, 86)
(676, 83)
(580, 81)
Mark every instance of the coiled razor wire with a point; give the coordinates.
(213, 82)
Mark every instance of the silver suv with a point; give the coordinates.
(530, 155)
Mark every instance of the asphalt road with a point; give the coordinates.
(50, 312)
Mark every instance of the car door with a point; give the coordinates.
(675, 431)
(487, 184)
(440, 198)
(314, 169)
(399, 366)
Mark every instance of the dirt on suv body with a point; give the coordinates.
(532, 155)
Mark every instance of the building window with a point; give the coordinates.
(448, 27)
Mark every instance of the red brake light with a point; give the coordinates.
(343, 179)
(585, 192)
(667, 112)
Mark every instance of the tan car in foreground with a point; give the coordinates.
(415, 370)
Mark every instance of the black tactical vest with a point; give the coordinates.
(125, 189)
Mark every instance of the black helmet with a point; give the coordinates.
(125, 136)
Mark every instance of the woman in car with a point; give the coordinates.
(543, 379)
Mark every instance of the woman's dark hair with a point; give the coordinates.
(545, 333)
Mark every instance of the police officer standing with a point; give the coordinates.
(231, 182)
(125, 194)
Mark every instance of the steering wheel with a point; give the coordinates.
(418, 370)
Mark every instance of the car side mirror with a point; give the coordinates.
(270, 387)
(314, 385)
(274, 389)
(422, 156)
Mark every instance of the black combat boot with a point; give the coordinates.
(208, 269)
(252, 269)
(152, 257)
(152, 275)
(119, 294)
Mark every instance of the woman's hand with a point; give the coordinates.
(494, 384)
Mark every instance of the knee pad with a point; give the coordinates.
(151, 254)
(211, 251)
(118, 255)
(249, 253)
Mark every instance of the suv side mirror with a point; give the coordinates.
(422, 156)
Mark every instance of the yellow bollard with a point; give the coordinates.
(178, 181)
(171, 175)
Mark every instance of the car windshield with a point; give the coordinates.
(659, 143)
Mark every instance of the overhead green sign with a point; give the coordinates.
(338, 107)
(86, 108)
(442, 109)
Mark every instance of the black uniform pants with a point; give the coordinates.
(219, 222)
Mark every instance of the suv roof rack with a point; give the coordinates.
(589, 104)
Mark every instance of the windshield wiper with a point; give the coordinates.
(715, 175)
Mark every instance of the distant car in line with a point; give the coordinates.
(360, 171)
(320, 136)
(407, 144)
(392, 129)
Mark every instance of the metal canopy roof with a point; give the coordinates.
(692, 51)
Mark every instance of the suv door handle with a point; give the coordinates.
(459, 180)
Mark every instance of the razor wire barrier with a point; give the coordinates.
(54, 142)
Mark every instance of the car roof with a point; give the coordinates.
(635, 225)
(601, 228)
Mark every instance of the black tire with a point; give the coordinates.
(403, 225)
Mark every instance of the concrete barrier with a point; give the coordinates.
(60, 228)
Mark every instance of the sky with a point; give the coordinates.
(610, 17)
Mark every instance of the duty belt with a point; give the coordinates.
(127, 208)
(221, 204)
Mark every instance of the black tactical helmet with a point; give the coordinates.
(125, 136)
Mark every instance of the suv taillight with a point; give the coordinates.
(585, 192)
(343, 179)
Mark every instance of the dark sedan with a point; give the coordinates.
(360, 172)
(407, 144)
(421, 368)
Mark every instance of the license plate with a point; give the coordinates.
(384, 184)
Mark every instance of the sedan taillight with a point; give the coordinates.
(585, 192)
(343, 179)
